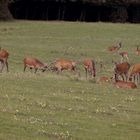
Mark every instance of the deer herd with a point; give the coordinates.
(124, 74)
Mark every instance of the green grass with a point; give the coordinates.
(47, 106)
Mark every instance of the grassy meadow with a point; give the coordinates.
(47, 106)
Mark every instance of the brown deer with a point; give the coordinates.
(104, 79)
(135, 73)
(3, 59)
(115, 48)
(89, 66)
(34, 63)
(137, 51)
(124, 84)
(121, 69)
(63, 64)
(123, 56)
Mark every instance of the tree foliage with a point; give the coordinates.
(118, 8)
(4, 10)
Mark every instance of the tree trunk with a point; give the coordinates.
(4, 10)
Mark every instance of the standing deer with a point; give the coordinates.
(63, 64)
(135, 73)
(122, 70)
(34, 63)
(3, 58)
(89, 66)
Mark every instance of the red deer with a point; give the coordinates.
(104, 79)
(89, 66)
(124, 55)
(135, 72)
(137, 51)
(64, 64)
(115, 48)
(124, 84)
(34, 63)
(122, 70)
(3, 58)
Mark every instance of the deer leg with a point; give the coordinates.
(59, 70)
(90, 72)
(36, 70)
(76, 71)
(73, 70)
(134, 78)
(122, 77)
(6, 63)
(94, 72)
(127, 58)
(31, 69)
(2, 63)
(126, 77)
(79, 74)
(139, 77)
(86, 72)
(24, 68)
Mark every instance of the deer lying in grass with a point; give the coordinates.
(115, 48)
(104, 79)
(34, 63)
(121, 69)
(89, 66)
(135, 73)
(124, 84)
(137, 51)
(3, 59)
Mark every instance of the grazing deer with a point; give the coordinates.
(3, 58)
(123, 56)
(64, 64)
(137, 51)
(134, 73)
(34, 63)
(122, 70)
(89, 66)
(124, 84)
(115, 48)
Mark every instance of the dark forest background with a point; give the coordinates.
(72, 10)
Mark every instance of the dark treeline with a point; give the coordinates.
(77, 10)
(4, 10)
